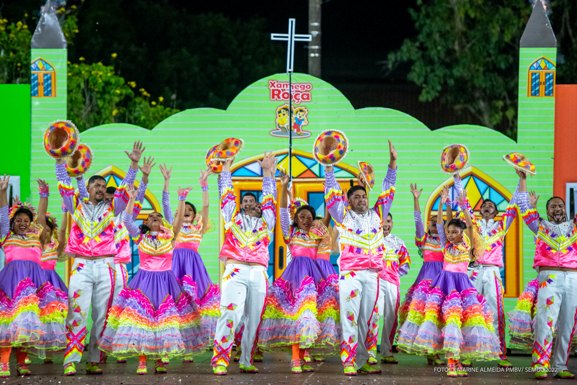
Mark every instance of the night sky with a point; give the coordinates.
(356, 34)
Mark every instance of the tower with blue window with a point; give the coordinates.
(48, 89)
(536, 109)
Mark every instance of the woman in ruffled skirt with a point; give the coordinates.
(431, 250)
(298, 300)
(187, 263)
(32, 310)
(448, 316)
(521, 318)
(153, 317)
(54, 242)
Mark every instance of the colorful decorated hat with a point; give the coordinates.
(296, 204)
(367, 175)
(520, 162)
(330, 147)
(215, 166)
(79, 162)
(61, 139)
(454, 158)
(227, 149)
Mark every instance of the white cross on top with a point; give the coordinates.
(290, 37)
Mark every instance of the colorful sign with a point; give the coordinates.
(299, 93)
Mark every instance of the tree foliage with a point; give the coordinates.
(124, 51)
(14, 60)
(192, 60)
(466, 54)
(96, 93)
(564, 19)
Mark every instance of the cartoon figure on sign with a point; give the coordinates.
(282, 117)
(299, 119)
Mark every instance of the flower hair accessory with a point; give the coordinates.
(295, 205)
(20, 205)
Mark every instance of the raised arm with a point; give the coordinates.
(392, 156)
(121, 196)
(82, 191)
(533, 199)
(182, 194)
(466, 206)
(440, 226)
(385, 200)
(464, 201)
(511, 210)
(166, 173)
(65, 186)
(334, 198)
(62, 235)
(284, 208)
(146, 168)
(228, 205)
(4, 219)
(127, 218)
(530, 214)
(268, 165)
(419, 226)
(449, 209)
(203, 180)
(43, 191)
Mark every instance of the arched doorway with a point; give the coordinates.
(308, 179)
(541, 78)
(480, 186)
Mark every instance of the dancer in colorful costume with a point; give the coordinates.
(187, 263)
(522, 317)
(32, 310)
(449, 316)
(53, 248)
(396, 263)
(431, 250)
(91, 243)
(54, 241)
(153, 316)
(291, 315)
(246, 256)
(485, 273)
(123, 254)
(361, 244)
(556, 261)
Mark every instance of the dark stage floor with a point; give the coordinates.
(275, 370)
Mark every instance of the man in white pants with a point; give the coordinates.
(361, 245)
(556, 261)
(91, 243)
(396, 263)
(245, 253)
(485, 273)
